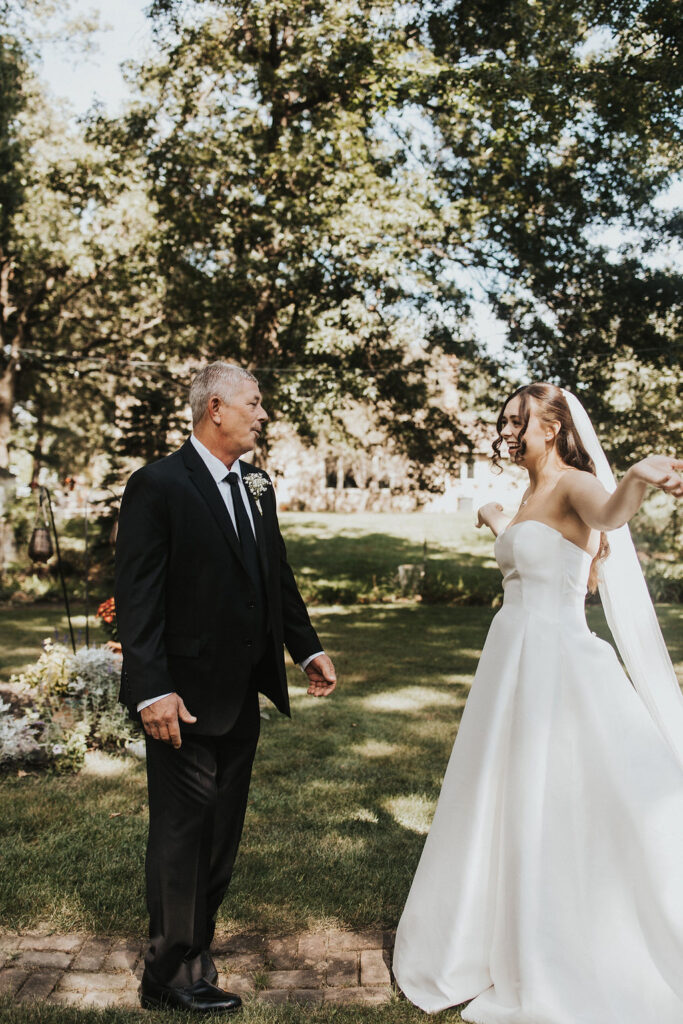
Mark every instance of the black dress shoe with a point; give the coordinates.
(200, 997)
(209, 972)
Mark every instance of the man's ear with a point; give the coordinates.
(213, 409)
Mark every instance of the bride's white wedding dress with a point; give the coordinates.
(550, 889)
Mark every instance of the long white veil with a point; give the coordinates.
(628, 608)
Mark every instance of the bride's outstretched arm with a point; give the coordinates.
(604, 511)
(492, 515)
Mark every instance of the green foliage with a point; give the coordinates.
(665, 583)
(77, 282)
(294, 232)
(316, 190)
(559, 121)
(153, 410)
(439, 587)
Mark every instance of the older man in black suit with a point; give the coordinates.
(205, 600)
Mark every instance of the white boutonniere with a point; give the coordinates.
(257, 486)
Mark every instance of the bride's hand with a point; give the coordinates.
(661, 471)
(486, 513)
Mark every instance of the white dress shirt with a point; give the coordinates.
(219, 471)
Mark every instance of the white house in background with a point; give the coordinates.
(477, 483)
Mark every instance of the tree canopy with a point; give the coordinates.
(318, 189)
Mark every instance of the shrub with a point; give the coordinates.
(18, 739)
(665, 583)
(438, 588)
(75, 706)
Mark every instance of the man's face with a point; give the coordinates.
(242, 420)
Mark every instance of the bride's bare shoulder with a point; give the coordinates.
(579, 482)
(574, 477)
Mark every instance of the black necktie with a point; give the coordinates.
(244, 529)
(258, 600)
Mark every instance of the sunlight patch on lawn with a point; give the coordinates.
(336, 844)
(462, 681)
(427, 728)
(377, 748)
(412, 812)
(363, 814)
(467, 652)
(106, 765)
(297, 691)
(409, 698)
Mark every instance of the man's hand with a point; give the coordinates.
(160, 719)
(322, 678)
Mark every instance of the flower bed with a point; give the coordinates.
(73, 707)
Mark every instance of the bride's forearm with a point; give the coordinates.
(607, 512)
(604, 511)
(497, 522)
(625, 501)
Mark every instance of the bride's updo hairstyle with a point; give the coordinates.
(551, 407)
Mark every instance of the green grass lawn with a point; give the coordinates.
(341, 798)
(342, 795)
(25, 627)
(397, 1012)
(334, 556)
(341, 557)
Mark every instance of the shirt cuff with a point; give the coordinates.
(309, 659)
(153, 700)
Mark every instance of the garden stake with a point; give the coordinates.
(45, 496)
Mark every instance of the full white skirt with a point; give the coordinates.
(550, 889)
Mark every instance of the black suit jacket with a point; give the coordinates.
(184, 599)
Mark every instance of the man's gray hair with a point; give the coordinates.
(222, 379)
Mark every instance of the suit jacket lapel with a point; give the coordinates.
(206, 485)
(257, 516)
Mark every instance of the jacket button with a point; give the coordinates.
(248, 643)
(251, 604)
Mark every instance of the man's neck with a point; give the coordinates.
(228, 458)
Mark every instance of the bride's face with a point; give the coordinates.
(535, 436)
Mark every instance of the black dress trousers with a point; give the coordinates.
(197, 803)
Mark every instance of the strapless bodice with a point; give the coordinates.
(543, 571)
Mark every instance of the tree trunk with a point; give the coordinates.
(8, 378)
(37, 451)
(263, 340)
(7, 390)
(8, 547)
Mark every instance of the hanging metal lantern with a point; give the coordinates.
(40, 548)
(40, 545)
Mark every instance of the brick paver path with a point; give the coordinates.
(314, 967)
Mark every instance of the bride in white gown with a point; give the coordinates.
(550, 888)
